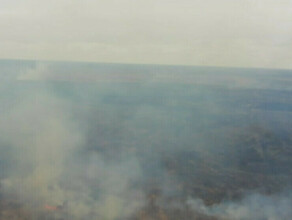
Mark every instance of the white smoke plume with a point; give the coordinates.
(40, 144)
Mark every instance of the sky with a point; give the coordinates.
(239, 33)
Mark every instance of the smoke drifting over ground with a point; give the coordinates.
(115, 142)
(43, 150)
(254, 206)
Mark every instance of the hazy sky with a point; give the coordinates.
(246, 33)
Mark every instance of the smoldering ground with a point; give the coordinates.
(77, 144)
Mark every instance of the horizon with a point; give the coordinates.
(144, 64)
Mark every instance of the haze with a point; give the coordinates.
(241, 33)
(84, 141)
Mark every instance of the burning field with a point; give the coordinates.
(96, 141)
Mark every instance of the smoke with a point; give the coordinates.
(38, 72)
(40, 137)
(127, 149)
(44, 162)
(253, 206)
